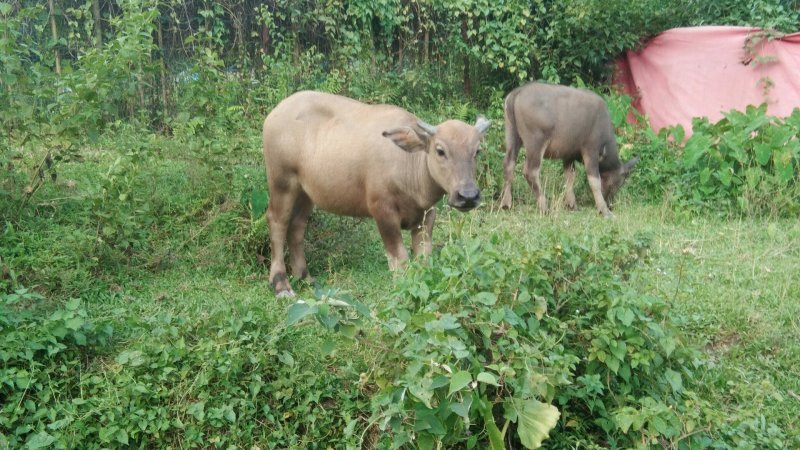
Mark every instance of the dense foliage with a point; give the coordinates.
(747, 163)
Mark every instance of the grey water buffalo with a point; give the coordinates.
(560, 122)
(355, 159)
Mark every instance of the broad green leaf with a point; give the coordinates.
(674, 379)
(459, 380)
(348, 330)
(328, 347)
(59, 424)
(298, 311)
(427, 420)
(73, 304)
(462, 408)
(74, 323)
(695, 148)
(425, 441)
(535, 420)
(230, 415)
(39, 440)
(197, 410)
(440, 381)
(448, 322)
(626, 316)
(486, 298)
(625, 418)
(286, 358)
(763, 152)
(122, 437)
(488, 378)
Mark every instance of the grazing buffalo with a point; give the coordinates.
(354, 159)
(560, 122)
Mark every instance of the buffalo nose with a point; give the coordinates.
(469, 196)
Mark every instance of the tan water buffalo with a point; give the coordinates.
(560, 122)
(355, 159)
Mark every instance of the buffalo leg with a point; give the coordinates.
(297, 227)
(279, 212)
(569, 175)
(389, 227)
(536, 147)
(422, 234)
(512, 150)
(591, 164)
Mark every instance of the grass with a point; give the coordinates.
(732, 282)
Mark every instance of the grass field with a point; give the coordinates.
(731, 283)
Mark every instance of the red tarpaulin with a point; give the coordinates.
(705, 71)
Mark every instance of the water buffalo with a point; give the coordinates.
(355, 159)
(560, 122)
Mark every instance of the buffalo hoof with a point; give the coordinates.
(285, 294)
(281, 285)
(505, 201)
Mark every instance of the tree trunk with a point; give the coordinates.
(467, 79)
(164, 94)
(425, 47)
(98, 28)
(54, 30)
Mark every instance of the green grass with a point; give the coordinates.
(732, 283)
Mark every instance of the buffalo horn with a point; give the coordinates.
(430, 129)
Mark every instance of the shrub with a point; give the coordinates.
(490, 346)
(745, 163)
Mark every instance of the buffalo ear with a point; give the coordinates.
(628, 166)
(407, 139)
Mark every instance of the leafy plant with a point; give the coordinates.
(746, 163)
(494, 347)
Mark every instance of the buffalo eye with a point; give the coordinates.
(440, 151)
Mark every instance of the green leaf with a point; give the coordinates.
(486, 298)
(462, 408)
(73, 304)
(230, 415)
(328, 347)
(488, 378)
(535, 420)
(74, 323)
(626, 316)
(496, 437)
(122, 437)
(5, 8)
(763, 153)
(298, 311)
(40, 440)
(674, 379)
(197, 410)
(540, 308)
(459, 380)
(133, 358)
(427, 420)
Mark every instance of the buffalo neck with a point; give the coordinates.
(420, 184)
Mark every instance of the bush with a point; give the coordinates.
(489, 346)
(746, 163)
(228, 379)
